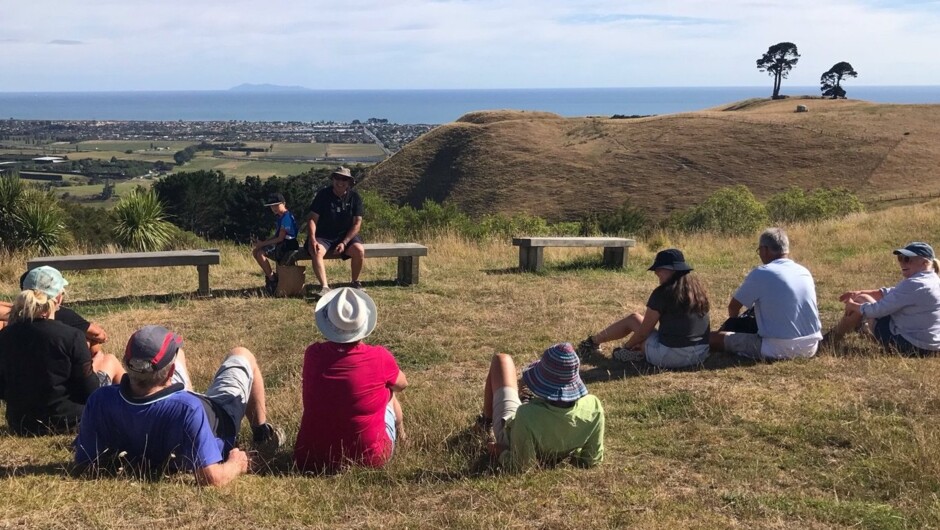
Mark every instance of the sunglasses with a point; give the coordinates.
(904, 259)
(347, 179)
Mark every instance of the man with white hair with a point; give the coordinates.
(783, 295)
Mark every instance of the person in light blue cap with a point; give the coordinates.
(47, 371)
(562, 422)
(904, 318)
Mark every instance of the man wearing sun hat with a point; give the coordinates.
(351, 413)
(563, 422)
(152, 421)
(333, 224)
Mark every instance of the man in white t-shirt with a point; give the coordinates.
(783, 295)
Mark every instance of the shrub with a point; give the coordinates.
(31, 219)
(795, 205)
(626, 220)
(729, 211)
(88, 226)
(140, 222)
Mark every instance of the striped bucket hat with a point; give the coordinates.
(555, 377)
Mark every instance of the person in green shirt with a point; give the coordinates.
(562, 422)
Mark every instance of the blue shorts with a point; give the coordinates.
(882, 332)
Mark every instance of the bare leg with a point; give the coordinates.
(619, 329)
(262, 260)
(107, 363)
(502, 374)
(851, 320)
(319, 267)
(257, 411)
(357, 254)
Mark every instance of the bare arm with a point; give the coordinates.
(222, 473)
(95, 334)
(281, 234)
(401, 382)
(353, 232)
(849, 295)
(312, 231)
(734, 307)
(5, 308)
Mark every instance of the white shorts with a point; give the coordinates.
(667, 357)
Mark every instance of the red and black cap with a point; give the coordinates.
(150, 349)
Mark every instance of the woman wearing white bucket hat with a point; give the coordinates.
(351, 414)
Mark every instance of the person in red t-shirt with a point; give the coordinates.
(351, 414)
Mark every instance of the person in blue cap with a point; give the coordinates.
(904, 318)
(679, 305)
(563, 421)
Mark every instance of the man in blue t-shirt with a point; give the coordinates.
(783, 295)
(279, 248)
(150, 420)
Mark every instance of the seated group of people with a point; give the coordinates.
(142, 411)
(782, 319)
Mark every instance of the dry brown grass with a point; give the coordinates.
(849, 439)
(567, 167)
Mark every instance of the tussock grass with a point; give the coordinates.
(850, 439)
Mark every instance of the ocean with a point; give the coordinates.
(402, 106)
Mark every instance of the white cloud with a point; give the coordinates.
(202, 44)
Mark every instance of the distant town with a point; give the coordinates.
(56, 133)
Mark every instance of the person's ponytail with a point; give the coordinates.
(935, 265)
(31, 305)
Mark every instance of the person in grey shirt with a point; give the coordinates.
(906, 317)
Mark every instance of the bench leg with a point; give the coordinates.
(615, 257)
(408, 270)
(203, 280)
(530, 258)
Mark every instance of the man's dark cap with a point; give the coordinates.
(150, 349)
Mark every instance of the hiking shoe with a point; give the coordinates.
(356, 284)
(588, 348)
(270, 284)
(627, 356)
(267, 439)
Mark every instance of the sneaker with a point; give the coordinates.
(627, 356)
(356, 284)
(270, 284)
(588, 348)
(267, 439)
(323, 291)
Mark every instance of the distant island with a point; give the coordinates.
(266, 87)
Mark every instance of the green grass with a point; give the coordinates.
(850, 439)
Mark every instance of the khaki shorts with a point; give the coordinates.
(505, 403)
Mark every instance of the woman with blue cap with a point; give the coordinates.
(47, 371)
(679, 305)
(906, 317)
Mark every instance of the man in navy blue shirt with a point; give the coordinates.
(333, 223)
(281, 246)
(153, 422)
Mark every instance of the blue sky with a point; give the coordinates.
(378, 44)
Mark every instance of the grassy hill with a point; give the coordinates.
(850, 439)
(562, 168)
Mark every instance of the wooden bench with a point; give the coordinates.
(173, 258)
(408, 255)
(616, 249)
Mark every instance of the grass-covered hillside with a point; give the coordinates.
(850, 439)
(563, 168)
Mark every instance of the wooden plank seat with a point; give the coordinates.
(616, 249)
(408, 255)
(172, 258)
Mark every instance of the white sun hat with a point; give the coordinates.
(345, 315)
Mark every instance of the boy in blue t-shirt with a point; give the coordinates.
(279, 248)
(153, 423)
